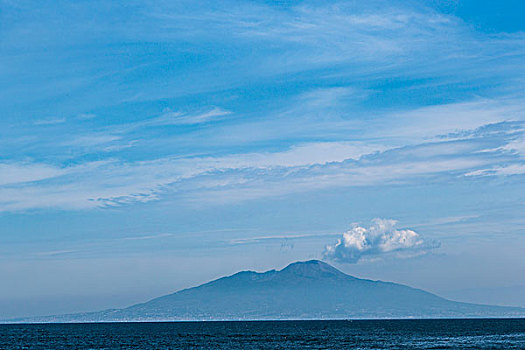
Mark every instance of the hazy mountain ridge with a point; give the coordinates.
(502, 296)
(302, 290)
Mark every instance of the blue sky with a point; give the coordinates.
(150, 147)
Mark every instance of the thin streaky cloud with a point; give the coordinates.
(141, 238)
(49, 121)
(55, 253)
(258, 239)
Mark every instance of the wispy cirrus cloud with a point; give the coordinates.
(507, 170)
(178, 118)
(174, 118)
(53, 253)
(244, 176)
(49, 121)
(332, 118)
(13, 173)
(91, 140)
(148, 237)
(114, 182)
(376, 159)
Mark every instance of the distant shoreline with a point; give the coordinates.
(274, 320)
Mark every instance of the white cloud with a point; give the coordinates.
(381, 238)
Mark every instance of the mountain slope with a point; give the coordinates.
(302, 290)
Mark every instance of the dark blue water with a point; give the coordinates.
(391, 334)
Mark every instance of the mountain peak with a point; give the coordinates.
(311, 268)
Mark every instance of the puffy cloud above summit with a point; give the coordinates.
(380, 238)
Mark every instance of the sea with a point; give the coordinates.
(349, 334)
